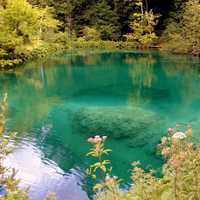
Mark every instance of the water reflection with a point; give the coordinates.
(142, 73)
(44, 175)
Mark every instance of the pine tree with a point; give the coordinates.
(104, 19)
(182, 34)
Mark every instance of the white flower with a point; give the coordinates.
(97, 139)
(170, 130)
(104, 137)
(107, 177)
(164, 140)
(179, 135)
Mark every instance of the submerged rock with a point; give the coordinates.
(117, 122)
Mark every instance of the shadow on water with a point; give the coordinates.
(132, 97)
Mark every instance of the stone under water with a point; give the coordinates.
(117, 123)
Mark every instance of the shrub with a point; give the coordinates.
(142, 27)
(91, 34)
(7, 175)
(24, 30)
(180, 180)
(81, 43)
(9, 185)
(183, 36)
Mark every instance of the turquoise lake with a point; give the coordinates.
(132, 97)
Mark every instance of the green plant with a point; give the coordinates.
(90, 34)
(107, 182)
(25, 31)
(183, 35)
(180, 180)
(143, 25)
(98, 151)
(7, 175)
(8, 181)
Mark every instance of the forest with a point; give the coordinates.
(35, 28)
(99, 99)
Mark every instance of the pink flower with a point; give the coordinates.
(170, 131)
(97, 139)
(111, 181)
(176, 162)
(182, 155)
(190, 145)
(164, 140)
(90, 140)
(166, 152)
(179, 135)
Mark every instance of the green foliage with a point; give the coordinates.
(98, 151)
(107, 182)
(191, 25)
(183, 35)
(81, 43)
(180, 178)
(25, 31)
(7, 175)
(143, 25)
(111, 18)
(30, 31)
(105, 20)
(91, 34)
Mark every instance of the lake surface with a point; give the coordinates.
(132, 97)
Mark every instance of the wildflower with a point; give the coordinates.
(166, 152)
(107, 177)
(190, 145)
(164, 140)
(97, 139)
(135, 163)
(182, 156)
(170, 131)
(111, 181)
(91, 140)
(179, 135)
(94, 140)
(176, 162)
(104, 137)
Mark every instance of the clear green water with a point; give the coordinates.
(133, 97)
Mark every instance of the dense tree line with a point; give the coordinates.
(33, 28)
(182, 34)
(110, 17)
(26, 32)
